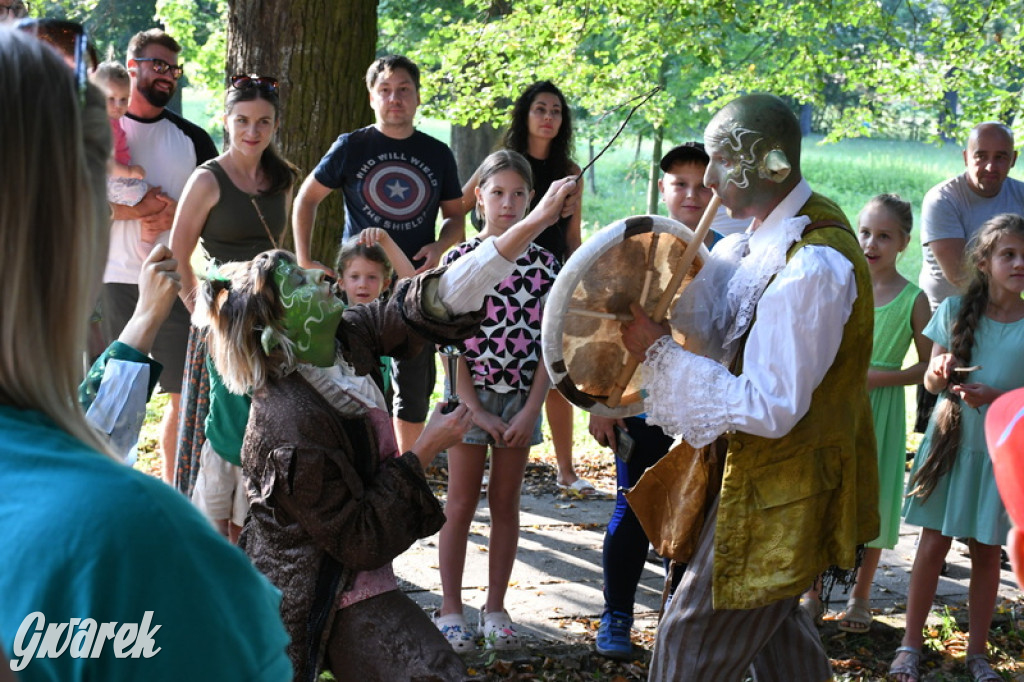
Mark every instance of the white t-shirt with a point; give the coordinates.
(169, 148)
(952, 210)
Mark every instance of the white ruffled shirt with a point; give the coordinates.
(799, 325)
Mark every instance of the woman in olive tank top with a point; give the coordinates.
(238, 205)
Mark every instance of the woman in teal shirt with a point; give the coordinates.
(100, 562)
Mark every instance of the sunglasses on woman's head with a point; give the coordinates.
(241, 81)
(161, 67)
(71, 40)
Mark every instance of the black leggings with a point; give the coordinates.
(625, 543)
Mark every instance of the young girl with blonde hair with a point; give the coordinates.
(901, 313)
(503, 381)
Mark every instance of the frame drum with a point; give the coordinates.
(631, 260)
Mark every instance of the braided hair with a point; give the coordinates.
(973, 304)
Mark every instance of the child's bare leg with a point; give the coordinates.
(465, 471)
(982, 593)
(924, 578)
(508, 466)
(866, 573)
(559, 414)
(169, 436)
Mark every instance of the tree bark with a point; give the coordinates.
(655, 171)
(471, 146)
(319, 51)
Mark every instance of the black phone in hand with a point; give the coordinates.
(624, 444)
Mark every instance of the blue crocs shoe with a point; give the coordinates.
(613, 636)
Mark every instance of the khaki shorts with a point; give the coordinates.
(220, 490)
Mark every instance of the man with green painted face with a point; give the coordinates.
(789, 399)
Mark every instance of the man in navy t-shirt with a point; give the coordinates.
(396, 178)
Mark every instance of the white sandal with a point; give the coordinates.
(498, 630)
(857, 618)
(456, 631)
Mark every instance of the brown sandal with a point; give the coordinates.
(857, 618)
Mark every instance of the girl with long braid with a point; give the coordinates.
(978, 342)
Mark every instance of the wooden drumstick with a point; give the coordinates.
(583, 312)
(661, 309)
(649, 275)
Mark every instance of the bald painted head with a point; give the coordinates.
(989, 157)
(754, 146)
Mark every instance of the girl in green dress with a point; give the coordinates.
(901, 313)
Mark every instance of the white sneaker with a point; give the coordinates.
(456, 630)
(497, 629)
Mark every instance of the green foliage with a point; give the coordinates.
(200, 26)
(110, 23)
(865, 66)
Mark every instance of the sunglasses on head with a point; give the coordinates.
(161, 67)
(71, 41)
(241, 81)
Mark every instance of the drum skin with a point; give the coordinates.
(583, 353)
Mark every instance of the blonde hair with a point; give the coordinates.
(111, 72)
(242, 306)
(898, 207)
(54, 229)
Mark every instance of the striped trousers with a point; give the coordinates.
(695, 643)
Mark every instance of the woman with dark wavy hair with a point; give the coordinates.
(541, 130)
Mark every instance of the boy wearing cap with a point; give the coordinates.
(625, 543)
(682, 188)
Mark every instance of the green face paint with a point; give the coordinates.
(311, 312)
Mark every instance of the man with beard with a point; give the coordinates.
(169, 148)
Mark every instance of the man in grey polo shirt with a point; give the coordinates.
(953, 211)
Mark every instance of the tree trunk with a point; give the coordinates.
(806, 116)
(471, 146)
(652, 180)
(319, 51)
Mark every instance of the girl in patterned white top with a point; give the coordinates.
(503, 382)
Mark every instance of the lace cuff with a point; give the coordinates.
(685, 393)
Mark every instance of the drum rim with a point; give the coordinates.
(553, 326)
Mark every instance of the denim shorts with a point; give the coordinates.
(506, 406)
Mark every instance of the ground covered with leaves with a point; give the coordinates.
(854, 657)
